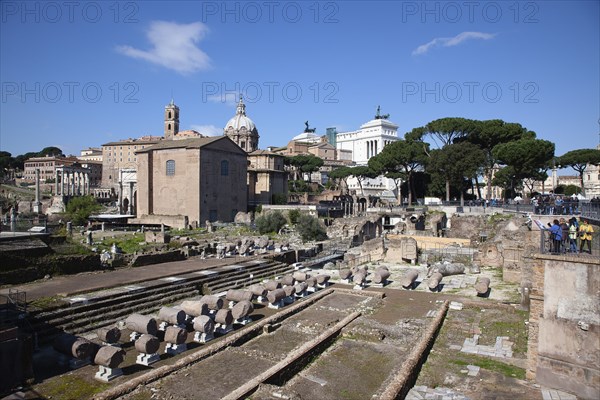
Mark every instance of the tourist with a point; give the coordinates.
(556, 234)
(564, 234)
(573, 226)
(585, 236)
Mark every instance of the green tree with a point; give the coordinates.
(504, 178)
(80, 208)
(449, 130)
(310, 229)
(361, 173)
(457, 163)
(527, 157)
(339, 175)
(487, 135)
(397, 178)
(51, 151)
(305, 163)
(293, 216)
(402, 156)
(272, 222)
(5, 161)
(570, 190)
(579, 160)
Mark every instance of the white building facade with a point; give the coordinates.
(367, 142)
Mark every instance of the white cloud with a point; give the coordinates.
(174, 47)
(208, 130)
(452, 41)
(228, 98)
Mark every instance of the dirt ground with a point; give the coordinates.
(356, 365)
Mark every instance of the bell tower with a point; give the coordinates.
(171, 120)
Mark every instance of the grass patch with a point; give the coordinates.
(71, 387)
(490, 365)
(513, 327)
(129, 243)
(45, 303)
(70, 248)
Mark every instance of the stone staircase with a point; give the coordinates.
(95, 310)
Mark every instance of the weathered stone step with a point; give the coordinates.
(114, 307)
(246, 281)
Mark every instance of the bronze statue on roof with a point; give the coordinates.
(379, 115)
(307, 129)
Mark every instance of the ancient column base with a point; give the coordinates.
(147, 359)
(224, 329)
(200, 337)
(243, 321)
(174, 349)
(73, 363)
(106, 374)
(276, 306)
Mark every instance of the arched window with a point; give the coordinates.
(169, 114)
(170, 167)
(224, 168)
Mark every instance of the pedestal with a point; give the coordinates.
(243, 321)
(174, 349)
(201, 337)
(277, 305)
(147, 359)
(223, 329)
(73, 363)
(106, 374)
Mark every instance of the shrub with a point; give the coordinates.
(271, 222)
(80, 208)
(310, 228)
(279, 198)
(293, 216)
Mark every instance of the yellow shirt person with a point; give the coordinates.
(585, 235)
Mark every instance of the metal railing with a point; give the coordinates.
(565, 247)
(591, 211)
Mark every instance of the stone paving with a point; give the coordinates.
(439, 393)
(551, 394)
(502, 348)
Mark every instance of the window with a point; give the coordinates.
(171, 167)
(224, 168)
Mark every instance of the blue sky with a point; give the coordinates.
(80, 74)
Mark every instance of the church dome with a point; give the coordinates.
(242, 129)
(240, 120)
